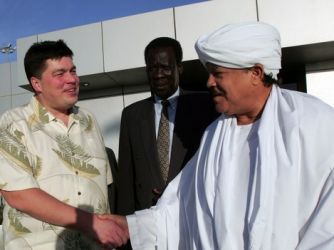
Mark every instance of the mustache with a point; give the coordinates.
(214, 91)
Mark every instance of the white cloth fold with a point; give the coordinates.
(242, 45)
(291, 198)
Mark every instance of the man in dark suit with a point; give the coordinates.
(140, 178)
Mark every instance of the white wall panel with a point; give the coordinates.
(85, 42)
(107, 112)
(5, 102)
(124, 39)
(5, 88)
(299, 21)
(193, 20)
(16, 89)
(23, 44)
(21, 99)
(131, 98)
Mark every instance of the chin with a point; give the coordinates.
(162, 95)
(72, 101)
(219, 108)
(223, 111)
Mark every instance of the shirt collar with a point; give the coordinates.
(43, 116)
(172, 99)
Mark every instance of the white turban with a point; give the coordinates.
(242, 46)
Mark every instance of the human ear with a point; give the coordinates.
(257, 73)
(36, 84)
(180, 68)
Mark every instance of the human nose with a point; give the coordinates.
(159, 71)
(211, 81)
(72, 77)
(162, 71)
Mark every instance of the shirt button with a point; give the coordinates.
(79, 193)
(76, 172)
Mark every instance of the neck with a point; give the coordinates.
(244, 119)
(62, 115)
(256, 110)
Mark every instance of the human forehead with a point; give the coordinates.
(65, 63)
(217, 68)
(161, 54)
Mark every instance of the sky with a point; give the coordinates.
(22, 18)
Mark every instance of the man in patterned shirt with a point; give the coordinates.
(54, 169)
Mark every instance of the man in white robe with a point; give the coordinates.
(263, 175)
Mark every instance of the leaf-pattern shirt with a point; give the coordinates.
(68, 162)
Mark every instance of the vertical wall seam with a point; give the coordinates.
(257, 10)
(103, 65)
(174, 23)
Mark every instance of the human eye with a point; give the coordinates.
(166, 67)
(217, 74)
(73, 71)
(59, 73)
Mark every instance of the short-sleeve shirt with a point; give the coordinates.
(68, 162)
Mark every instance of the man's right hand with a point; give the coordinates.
(40, 205)
(111, 230)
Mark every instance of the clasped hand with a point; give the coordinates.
(111, 230)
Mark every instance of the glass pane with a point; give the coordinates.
(321, 85)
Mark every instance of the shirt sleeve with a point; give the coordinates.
(164, 226)
(13, 177)
(142, 229)
(159, 226)
(16, 170)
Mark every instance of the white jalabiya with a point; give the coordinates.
(242, 45)
(291, 193)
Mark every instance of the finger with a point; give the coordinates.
(116, 237)
(103, 216)
(122, 235)
(121, 220)
(125, 237)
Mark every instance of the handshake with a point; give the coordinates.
(110, 230)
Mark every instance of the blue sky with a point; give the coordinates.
(21, 18)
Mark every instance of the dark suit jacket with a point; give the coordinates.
(112, 192)
(139, 171)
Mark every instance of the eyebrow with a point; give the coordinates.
(64, 70)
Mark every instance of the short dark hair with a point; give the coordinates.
(269, 80)
(37, 55)
(165, 42)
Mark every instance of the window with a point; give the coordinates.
(321, 85)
